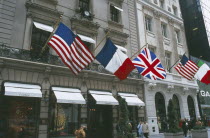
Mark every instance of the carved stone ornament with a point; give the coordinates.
(84, 26)
(37, 11)
(152, 85)
(117, 37)
(170, 20)
(156, 14)
(117, 1)
(170, 87)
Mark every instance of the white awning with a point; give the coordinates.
(68, 95)
(43, 27)
(122, 48)
(22, 90)
(120, 9)
(103, 97)
(87, 39)
(131, 99)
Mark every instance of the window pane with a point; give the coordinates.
(168, 60)
(38, 40)
(64, 119)
(164, 31)
(114, 14)
(84, 4)
(148, 22)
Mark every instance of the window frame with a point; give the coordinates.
(162, 3)
(167, 60)
(54, 113)
(37, 45)
(148, 23)
(164, 30)
(152, 49)
(114, 14)
(175, 10)
(178, 36)
(86, 3)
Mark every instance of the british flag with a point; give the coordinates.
(148, 65)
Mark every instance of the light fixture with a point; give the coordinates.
(87, 13)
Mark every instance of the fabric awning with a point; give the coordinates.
(22, 90)
(122, 48)
(68, 95)
(43, 27)
(87, 39)
(120, 9)
(131, 99)
(103, 97)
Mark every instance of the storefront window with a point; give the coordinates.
(64, 120)
(133, 116)
(176, 106)
(19, 117)
(160, 111)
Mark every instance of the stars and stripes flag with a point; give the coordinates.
(70, 49)
(186, 68)
(148, 65)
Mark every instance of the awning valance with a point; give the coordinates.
(131, 99)
(122, 48)
(87, 39)
(43, 27)
(68, 95)
(22, 90)
(103, 97)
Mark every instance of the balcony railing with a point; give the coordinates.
(28, 55)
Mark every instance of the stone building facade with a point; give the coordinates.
(160, 26)
(33, 83)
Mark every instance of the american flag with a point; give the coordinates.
(186, 68)
(148, 65)
(70, 49)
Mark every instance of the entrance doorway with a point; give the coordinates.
(19, 117)
(99, 120)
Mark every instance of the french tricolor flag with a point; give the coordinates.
(115, 61)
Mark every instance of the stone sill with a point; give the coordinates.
(151, 34)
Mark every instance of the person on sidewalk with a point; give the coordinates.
(140, 131)
(185, 127)
(145, 129)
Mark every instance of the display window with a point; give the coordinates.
(64, 119)
(19, 117)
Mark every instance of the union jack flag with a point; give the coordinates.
(148, 65)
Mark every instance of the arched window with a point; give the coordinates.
(160, 111)
(176, 106)
(191, 107)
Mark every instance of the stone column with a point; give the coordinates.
(196, 105)
(84, 90)
(174, 53)
(151, 110)
(160, 48)
(28, 32)
(141, 25)
(184, 105)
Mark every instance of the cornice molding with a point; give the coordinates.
(117, 36)
(151, 6)
(34, 6)
(83, 25)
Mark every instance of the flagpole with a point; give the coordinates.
(52, 33)
(174, 63)
(138, 51)
(101, 41)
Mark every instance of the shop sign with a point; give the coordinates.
(204, 93)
